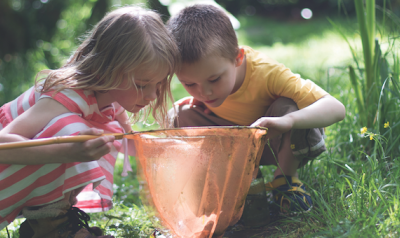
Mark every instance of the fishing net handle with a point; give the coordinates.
(54, 140)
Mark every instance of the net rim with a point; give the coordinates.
(200, 128)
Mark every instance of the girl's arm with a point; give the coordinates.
(31, 122)
(322, 113)
(124, 121)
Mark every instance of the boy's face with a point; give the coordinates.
(210, 80)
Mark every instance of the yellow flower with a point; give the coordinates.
(363, 130)
(292, 146)
(386, 125)
(371, 137)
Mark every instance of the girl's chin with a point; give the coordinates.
(136, 109)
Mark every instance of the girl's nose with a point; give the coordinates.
(150, 94)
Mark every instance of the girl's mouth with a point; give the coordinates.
(140, 106)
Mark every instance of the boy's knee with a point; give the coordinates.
(281, 107)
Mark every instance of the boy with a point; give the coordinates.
(234, 85)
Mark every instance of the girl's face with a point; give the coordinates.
(135, 98)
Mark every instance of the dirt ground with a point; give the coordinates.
(241, 231)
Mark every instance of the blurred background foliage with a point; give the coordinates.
(41, 34)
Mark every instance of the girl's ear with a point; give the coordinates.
(239, 57)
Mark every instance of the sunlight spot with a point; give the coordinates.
(39, 43)
(7, 58)
(165, 2)
(36, 5)
(61, 23)
(54, 51)
(306, 13)
(16, 5)
(331, 71)
(250, 10)
(47, 46)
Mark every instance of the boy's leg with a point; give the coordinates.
(287, 162)
(187, 116)
(289, 152)
(294, 148)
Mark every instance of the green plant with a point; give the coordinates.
(375, 78)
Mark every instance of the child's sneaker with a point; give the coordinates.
(290, 195)
(57, 220)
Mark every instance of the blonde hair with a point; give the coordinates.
(124, 40)
(202, 30)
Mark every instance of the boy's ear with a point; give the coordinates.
(239, 57)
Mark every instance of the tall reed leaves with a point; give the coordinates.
(374, 78)
(366, 22)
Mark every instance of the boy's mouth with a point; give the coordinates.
(211, 101)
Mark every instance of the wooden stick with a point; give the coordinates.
(56, 140)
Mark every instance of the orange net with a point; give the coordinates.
(197, 178)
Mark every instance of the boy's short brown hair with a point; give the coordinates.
(201, 30)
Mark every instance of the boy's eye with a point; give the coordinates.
(190, 85)
(215, 80)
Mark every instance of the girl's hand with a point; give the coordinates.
(90, 150)
(275, 125)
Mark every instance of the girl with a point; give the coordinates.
(125, 63)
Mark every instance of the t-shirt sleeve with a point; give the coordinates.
(71, 99)
(283, 83)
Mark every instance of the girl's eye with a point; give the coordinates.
(190, 85)
(140, 86)
(215, 80)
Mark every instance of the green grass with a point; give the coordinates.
(355, 192)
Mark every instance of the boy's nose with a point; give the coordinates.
(206, 91)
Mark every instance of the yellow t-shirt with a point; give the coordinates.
(265, 81)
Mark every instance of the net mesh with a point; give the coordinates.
(197, 178)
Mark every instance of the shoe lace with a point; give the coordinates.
(78, 219)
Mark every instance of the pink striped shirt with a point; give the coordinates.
(33, 185)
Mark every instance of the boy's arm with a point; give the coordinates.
(31, 122)
(322, 113)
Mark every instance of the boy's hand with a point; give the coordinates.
(275, 125)
(192, 102)
(92, 149)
